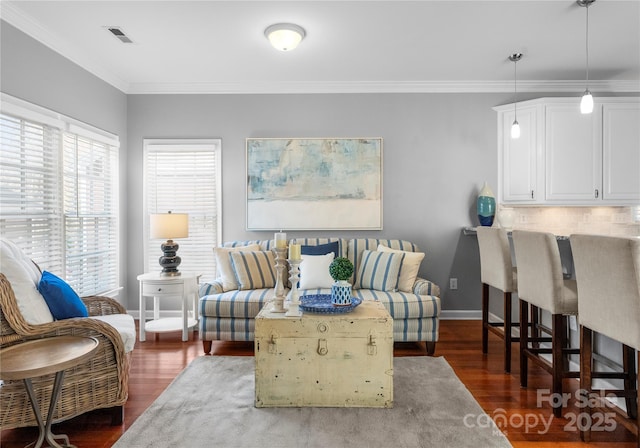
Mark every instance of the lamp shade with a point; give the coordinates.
(586, 103)
(169, 225)
(515, 130)
(284, 36)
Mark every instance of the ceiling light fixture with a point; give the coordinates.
(515, 127)
(586, 104)
(285, 36)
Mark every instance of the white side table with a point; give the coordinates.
(185, 286)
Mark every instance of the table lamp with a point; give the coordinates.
(169, 225)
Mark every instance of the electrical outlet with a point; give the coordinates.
(453, 283)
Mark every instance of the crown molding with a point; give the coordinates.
(25, 23)
(16, 17)
(383, 87)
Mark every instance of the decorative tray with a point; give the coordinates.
(321, 304)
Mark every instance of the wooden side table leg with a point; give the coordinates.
(45, 429)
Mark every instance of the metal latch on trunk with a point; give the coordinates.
(322, 347)
(372, 348)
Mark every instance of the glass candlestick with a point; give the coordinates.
(278, 300)
(294, 294)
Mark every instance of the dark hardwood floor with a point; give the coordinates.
(157, 361)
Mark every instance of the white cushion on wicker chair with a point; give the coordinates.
(24, 276)
(125, 325)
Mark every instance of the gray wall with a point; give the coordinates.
(35, 73)
(438, 150)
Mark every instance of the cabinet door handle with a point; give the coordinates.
(531, 194)
(597, 193)
(159, 289)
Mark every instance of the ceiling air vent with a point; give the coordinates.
(117, 32)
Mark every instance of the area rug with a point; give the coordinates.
(211, 404)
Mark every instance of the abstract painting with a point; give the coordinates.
(314, 183)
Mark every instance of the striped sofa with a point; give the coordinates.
(229, 316)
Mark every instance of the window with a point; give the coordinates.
(184, 176)
(58, 194)
(90, 221)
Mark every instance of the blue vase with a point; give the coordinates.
(341, 293)
(486, 206)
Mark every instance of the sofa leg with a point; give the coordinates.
(117, 415)
(206, 345)
(431, 347)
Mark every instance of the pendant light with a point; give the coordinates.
(586, 104)
(515, 127)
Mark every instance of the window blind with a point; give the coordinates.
(184, 177)
(90, 213)
(58, 194)
(30, 206)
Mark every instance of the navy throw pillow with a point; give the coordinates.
(62, 300)
(321, 249)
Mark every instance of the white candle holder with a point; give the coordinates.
(278, 300)
(294, 294)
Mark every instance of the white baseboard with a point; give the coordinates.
(467, 315)
(461, 315)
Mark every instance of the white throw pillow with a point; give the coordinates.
(314, 271)
(24, 277)
(223, 262)
(409, 269)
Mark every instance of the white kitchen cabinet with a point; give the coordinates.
(566, 158)
(621, 152)
(573, 154)
(520, 157)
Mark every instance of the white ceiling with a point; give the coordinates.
(351, 46)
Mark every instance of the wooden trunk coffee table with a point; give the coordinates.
(325, 360)
(44, 357)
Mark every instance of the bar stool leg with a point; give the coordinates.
(507, 332)
(585, 377)
(558, 343)
(535, 328)
(485, 317)
(629, 366)
(638, 407)
(524, 341)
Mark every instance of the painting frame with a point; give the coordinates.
(314, 183)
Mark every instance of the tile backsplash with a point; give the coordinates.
(619, 221)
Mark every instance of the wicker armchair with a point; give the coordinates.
(101, 382)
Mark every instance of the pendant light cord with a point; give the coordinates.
(587, 45)
(515, 90)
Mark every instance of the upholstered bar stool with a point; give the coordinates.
(541, 283)
(608, 276)
(496, 270)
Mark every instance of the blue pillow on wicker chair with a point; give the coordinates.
(61, 299)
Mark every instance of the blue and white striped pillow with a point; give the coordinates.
(379, 271)
(254, 270)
